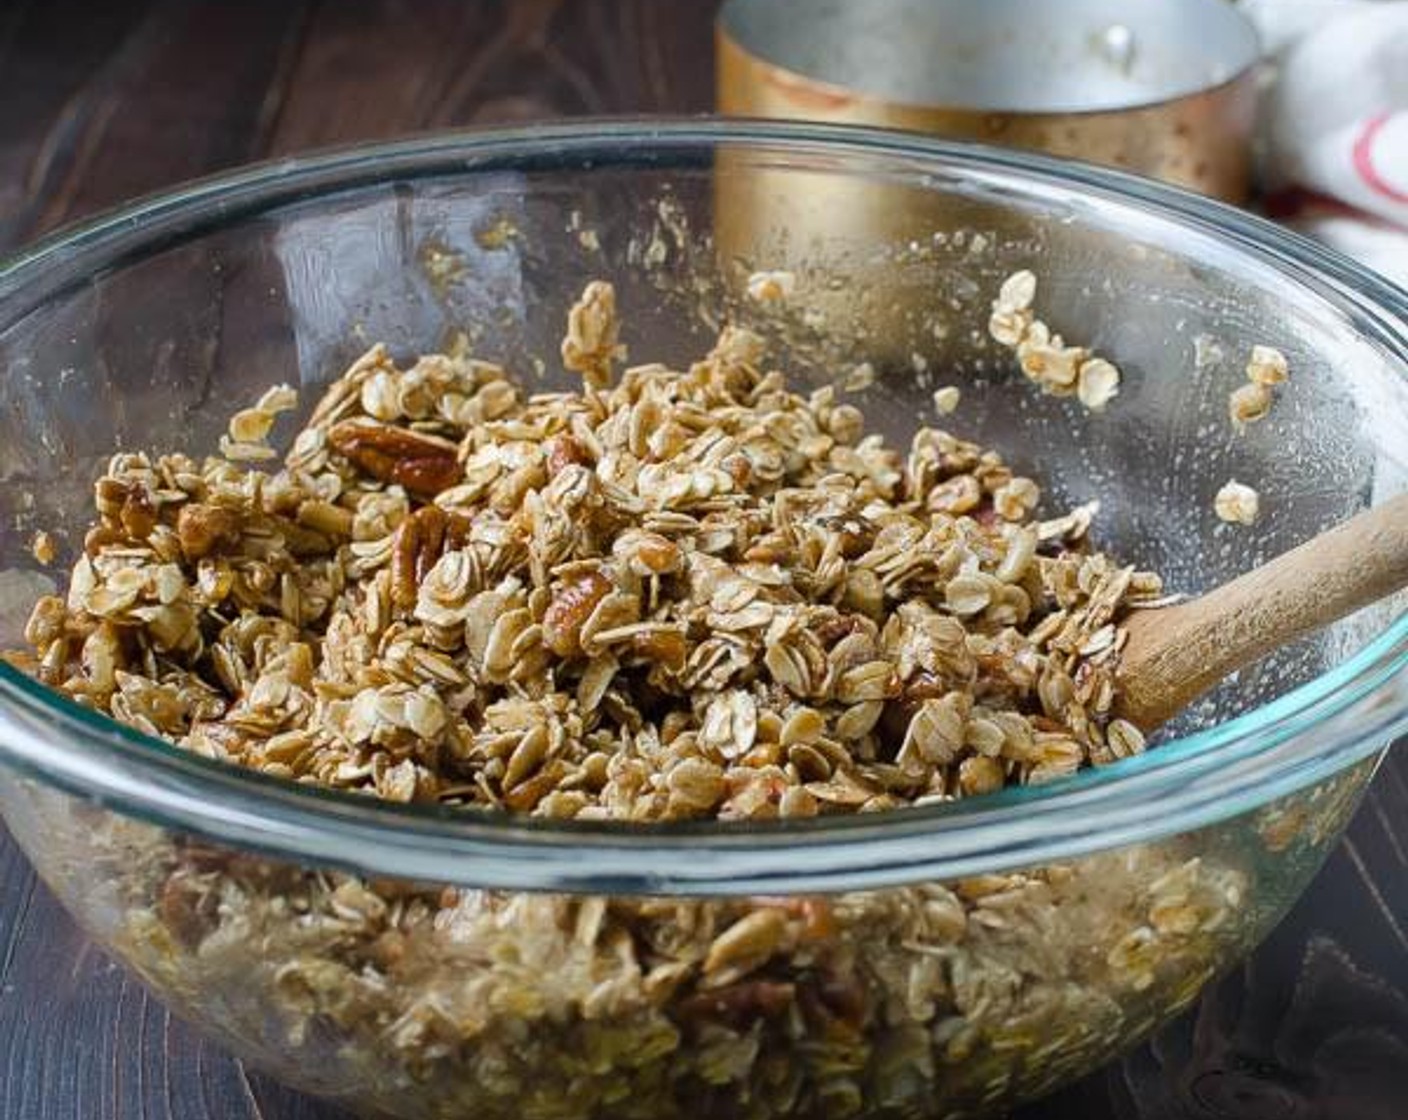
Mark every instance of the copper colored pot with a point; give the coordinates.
(1165, 88)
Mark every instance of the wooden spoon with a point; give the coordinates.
(1176, 653)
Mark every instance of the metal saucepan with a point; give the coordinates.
(1165, 88)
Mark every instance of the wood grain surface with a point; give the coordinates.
(105, 101)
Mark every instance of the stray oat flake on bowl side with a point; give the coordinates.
(1044, 356)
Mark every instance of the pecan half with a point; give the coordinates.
(833, 997)
(739, 1005)
(419, 542)
(185, 909)
(571, 606)
(423, 464)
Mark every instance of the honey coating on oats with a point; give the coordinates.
(673, 594)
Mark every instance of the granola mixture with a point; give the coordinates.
(672, 594)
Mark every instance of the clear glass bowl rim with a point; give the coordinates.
(1307, 735)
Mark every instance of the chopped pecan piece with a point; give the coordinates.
(203, 528)
(423, 464)
(564, 450)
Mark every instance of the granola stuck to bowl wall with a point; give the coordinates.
(672, 594)
(934, 1000)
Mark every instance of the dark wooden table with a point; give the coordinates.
(105, 101)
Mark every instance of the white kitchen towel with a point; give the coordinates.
(1333, 136)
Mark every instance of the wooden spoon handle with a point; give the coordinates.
(1175, 654)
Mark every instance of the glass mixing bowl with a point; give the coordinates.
(941, 961)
